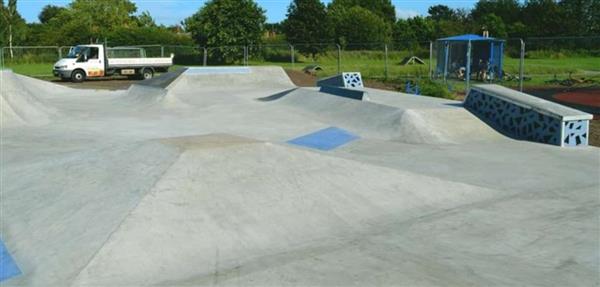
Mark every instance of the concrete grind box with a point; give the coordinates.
(526, 117)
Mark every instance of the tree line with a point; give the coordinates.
(84, 21)
(309, 23)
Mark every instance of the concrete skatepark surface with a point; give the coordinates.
(192, 181)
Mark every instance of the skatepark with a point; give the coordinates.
(235, 176)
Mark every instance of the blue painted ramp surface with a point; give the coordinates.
(8, 267)
(325, 139)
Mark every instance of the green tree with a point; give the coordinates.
(103, 16)
(358, 25)
(14, 25)
(441, 12)
(382, 8)
(447, 21)
(85, 21)
(494, 25)
(516, 30)
(227, 22)
(412, 30)
(3, 25)
(508, 10)
(581, 17)
(49, 12)
(125, 36)
(145, 20)
(543, 18)
(307, 23)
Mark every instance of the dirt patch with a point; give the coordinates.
(301, 79)
(594, 134)
(583, 97)
(586, 99)
(389, 86)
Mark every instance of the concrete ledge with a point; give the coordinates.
(217, 70)
(346, 93)
(523, 116)
(530, 102)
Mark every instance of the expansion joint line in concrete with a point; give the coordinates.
(150, 191)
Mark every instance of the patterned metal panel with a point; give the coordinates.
(575, 133)
(352, 80)
(515, 121)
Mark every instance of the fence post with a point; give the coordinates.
(521, 65)
(447, 50)
(204, 56)
(339, 58)
(245, 55)
(162, 51)
(59, 53)
(385, 48)
(292, 51)
(430, 59)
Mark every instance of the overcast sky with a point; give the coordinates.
(170, 12)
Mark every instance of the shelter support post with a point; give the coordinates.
(468, 70)
(501, 52)
(491, 61)
(521, 65)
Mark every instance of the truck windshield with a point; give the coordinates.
(76, 52)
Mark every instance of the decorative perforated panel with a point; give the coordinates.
(575, 133)
(514, 120)
(352, 80)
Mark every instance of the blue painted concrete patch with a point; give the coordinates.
(325, 139)
(8, 267)
(217, 70)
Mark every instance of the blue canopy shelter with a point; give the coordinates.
(460, 56)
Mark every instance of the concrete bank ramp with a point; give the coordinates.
(163, 80)
(226, 80)
(142, 97)
(231, 206)
(22, 100)
(393, 116)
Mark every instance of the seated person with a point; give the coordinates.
(460, 73)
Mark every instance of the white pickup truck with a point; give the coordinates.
(89, 61)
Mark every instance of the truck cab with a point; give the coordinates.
(91, 61)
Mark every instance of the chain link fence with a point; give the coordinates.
(530, 64)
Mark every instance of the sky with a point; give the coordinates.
(169, 12)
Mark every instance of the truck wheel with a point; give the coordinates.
(147, 74)
(78, 76)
